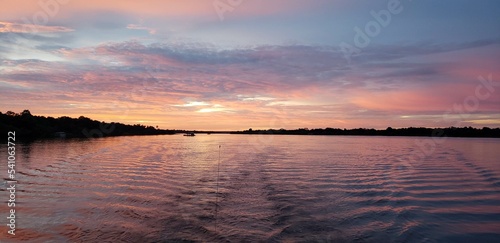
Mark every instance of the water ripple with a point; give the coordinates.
(319, 189)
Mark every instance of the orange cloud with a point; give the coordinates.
(31, 28)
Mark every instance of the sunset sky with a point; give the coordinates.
(239, 64)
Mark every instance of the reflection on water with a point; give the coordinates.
(271, 188)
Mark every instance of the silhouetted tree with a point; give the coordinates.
(28, 126)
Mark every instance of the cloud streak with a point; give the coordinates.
(6, 27)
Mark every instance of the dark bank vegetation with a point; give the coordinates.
(410, 131)
(28, 127)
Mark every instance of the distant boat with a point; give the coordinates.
(60, 135)
(189, 134)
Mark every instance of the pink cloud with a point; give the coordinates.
(31, 28)
(280, 86)
(160, 8)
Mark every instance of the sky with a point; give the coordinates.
(239, 64)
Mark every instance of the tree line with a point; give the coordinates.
(410, 131)
(28, 126)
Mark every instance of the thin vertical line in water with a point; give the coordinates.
(217, 192)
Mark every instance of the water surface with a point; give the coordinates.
(271, 188)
